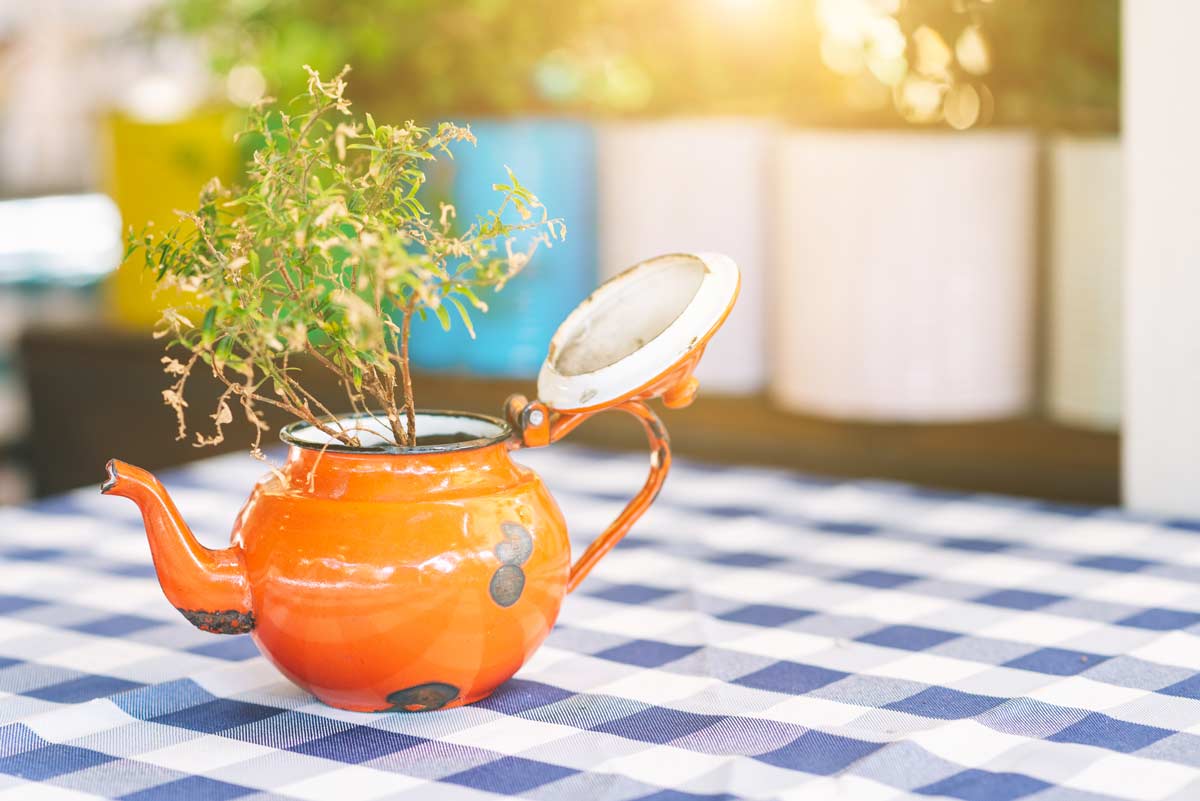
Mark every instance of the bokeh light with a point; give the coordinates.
(929, 79)
(245, 85)
(971, 50)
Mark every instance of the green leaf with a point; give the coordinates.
(209, 324)
(443, 317)
(462, 312)
(470, 295)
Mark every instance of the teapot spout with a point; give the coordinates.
(209, 587)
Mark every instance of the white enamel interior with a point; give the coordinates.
(629, 315)
(374, 432)
(635, 327)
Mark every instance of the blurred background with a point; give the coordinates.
(924, 196)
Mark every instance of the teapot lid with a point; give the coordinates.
(640, 334)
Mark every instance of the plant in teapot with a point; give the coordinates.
(327, 253)
(399, 559)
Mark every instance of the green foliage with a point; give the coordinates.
(1049, 62)
(1052, 64)
(328, 252)
(418, 58)
(1074, 63)
(498, 57)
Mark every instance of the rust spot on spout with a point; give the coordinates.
(230, 621)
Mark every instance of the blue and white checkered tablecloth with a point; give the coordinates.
(759, 635)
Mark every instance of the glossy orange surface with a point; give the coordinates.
(387, 581)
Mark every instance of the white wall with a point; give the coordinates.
(1161, 461)
(1087, 258)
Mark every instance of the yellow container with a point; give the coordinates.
(152, 169)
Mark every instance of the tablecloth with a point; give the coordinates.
(758, 635)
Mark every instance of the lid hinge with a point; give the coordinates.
(529, 419)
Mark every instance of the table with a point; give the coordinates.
(758, 635)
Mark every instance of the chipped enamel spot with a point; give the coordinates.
(423, 697)
(507, 584)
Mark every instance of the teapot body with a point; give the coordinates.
(402, 582)
(381, 577)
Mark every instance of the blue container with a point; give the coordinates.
(556, 160)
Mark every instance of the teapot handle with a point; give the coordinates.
(535, 428)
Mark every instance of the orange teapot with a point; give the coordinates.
(411, 579)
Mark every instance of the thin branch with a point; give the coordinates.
(409, 408)
(300, 388)
(303, 414)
